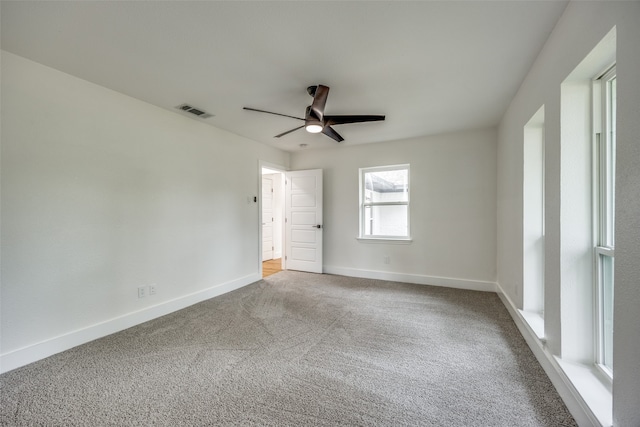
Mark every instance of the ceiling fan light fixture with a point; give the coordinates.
(313, 128)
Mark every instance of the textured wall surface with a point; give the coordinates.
(626, 376)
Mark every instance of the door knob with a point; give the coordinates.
(316, 226)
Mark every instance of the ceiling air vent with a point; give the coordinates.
(195, 111)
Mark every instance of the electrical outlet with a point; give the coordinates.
(152, 289)
(387, 259)
(142, 291)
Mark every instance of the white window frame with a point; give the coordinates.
(604, 206)
(364, 204)
(534, 221)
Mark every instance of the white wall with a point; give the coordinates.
(453, 199)
(101, 194)
(579, 30)
(626, 346)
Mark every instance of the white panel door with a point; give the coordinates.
(303, 223)
(267, 219)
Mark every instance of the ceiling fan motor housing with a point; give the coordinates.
(311, 90)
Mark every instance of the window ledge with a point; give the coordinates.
(594, 390)
(535, 322)
(396, 240)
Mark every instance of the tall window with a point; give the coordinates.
(533, 220)
(384, 202)
(604, 172)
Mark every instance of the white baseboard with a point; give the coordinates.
(579, 408)
(32, 353)
(473, 285)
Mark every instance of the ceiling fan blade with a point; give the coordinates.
(341, 120)
(319, 100)
(271, 112)
(327, 130)
(289, 131)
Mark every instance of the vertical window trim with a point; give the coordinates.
(362, 204)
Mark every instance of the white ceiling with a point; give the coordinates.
(431, 67)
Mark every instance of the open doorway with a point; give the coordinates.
(272, 220)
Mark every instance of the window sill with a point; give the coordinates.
(594, 390)
(395, 241)
(535, 322)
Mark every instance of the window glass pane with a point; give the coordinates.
(387, 186)
(606, 321)
(367, 221)
(386, 220)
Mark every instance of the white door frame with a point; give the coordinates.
(278, 168)
(314, 267)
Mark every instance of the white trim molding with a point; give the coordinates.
(578, 385)
(419, 279)
(32, 353)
